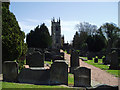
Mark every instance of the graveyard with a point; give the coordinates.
(50, 74)
(91, 61)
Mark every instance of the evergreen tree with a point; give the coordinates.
(13, 45)
(76, 41)
(39, 38)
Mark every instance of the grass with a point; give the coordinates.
(70, 79)
(19, 85)
(101, 66)
(48, 62)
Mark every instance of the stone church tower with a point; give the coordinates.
(56, 34)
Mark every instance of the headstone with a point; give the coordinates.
(30, 51)
(108, 58)
(103, 87)
(83, 59)
(82, 77)
(104, 61)
(48, 56)
(100, 56)
(10, 71)
(59, 73)
(74, 60)
(35, 60)
(62, 54)
(34, 76)
(90, 55)
(95, 60)
(57, 57)
(114, 61)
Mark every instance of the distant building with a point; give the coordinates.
(56, 34)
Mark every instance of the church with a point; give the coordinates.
(56, 33)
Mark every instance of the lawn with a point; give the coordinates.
(70, 79)
(19, 85)
(48, 62)
(101, 66)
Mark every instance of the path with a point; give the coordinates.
(97, 74)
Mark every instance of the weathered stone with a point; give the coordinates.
(82, 77)
(104, 61)
(103, 87)
(100, 56)
(48, 56)
(74, 60)
(34, 76)
(83, 59)
(59, 73)
(35, 60)
(30, 51)
(95, 60)
(108, 58)
(57, 57)
(10, 71)
(62, 54)
(114, 60)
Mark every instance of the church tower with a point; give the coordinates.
(56, 33)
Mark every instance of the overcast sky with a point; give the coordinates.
(31, 14)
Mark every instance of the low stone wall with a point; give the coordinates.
(34, 76)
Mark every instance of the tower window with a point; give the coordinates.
(57, 28)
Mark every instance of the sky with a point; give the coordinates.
(31, 14)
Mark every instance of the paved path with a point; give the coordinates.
(97, 75)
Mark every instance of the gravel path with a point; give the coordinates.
(97, 75)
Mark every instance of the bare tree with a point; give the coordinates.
(86, 27)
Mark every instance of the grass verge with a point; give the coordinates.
(19, 85)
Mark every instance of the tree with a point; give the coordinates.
(86, 27)
(39, 37)
(12, 37)
(95, 43)
(111, 32)
(76, 41)
(84, 30)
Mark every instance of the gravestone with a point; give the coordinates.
(30, 51)
(48, 56)
(90, 55)
(114, 61)
(74, 60)
(103, 87)
(95, 60)
(108, 58)
(104, 61)
(57, 57)
(35, 60)
(82, 77)
(62, 54)
(59, 73)
(100, 56)
(34, 76)
(10, 71)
